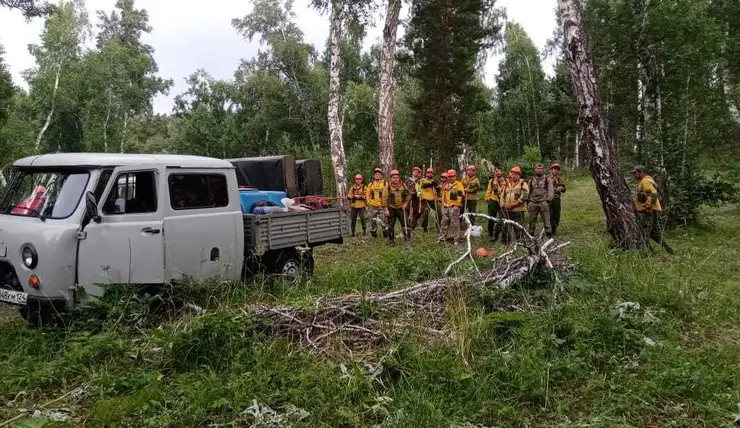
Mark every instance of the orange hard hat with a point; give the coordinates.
(556, 165)
(481, 252)
(430, 170)
(516, 170)
(443, 175)
(452, 173)
(358, 177)
(416, 168)
(394, 172)
(471, 167)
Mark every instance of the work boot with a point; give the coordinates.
(667, 248)
(364, 232)
(374, 234)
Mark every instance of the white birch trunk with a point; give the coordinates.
(125, 132)
(610, 184)
(338, 159)
(51, 111)
(3, 180)
(385, 99)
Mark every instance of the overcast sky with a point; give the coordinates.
(187, 36)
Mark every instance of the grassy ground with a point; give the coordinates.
(575, 361)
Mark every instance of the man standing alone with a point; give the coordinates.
(647, 203)
(540, 195)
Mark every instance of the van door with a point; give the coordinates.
(127, 245)
(203, 238)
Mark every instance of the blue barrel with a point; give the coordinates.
(251, 198)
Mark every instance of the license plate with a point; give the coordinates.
(13, 297)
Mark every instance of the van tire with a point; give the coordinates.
(291, 265)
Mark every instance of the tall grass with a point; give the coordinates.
(633, 341)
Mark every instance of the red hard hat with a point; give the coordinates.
(430, 170)
(556, 165)
(394, 172)
(452, 173)
(517, 170)
(358, 177)
(471, 167)
(40, 189)
(443, 175)
(416, 168)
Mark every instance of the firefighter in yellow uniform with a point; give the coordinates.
(356, 196)
(647, 203)
(453, 196)
(472, 186)
(375, 200)
(493, 192)
(514, 203)
(428, 197)
(396, 201)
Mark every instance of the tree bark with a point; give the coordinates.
(385, 103)
(612, 188)
(338, 158)
(51, 111)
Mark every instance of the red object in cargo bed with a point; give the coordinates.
(316, 202)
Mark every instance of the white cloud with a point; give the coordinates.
(187, 36)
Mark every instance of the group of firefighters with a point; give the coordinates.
(410, 200)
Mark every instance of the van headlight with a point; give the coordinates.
(29, 257)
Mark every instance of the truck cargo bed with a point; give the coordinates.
(295, 229)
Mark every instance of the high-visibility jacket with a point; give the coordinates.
(558, 185)
(357, 195)
(493, 191)
(515, 193)
(472, 187)
(375, 194)
(453, 194)
(428, 189)
(647, 195)
(396, 195)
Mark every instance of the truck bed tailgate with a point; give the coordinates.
(294, 229)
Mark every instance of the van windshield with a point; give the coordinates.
(44, 193)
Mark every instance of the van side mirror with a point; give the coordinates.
(91, 207)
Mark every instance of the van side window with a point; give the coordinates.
(132, 193)
(194, 191)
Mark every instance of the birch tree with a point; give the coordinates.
(386, 104)
(610, 184)
(58, 53)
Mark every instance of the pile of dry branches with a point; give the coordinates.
(362, 320)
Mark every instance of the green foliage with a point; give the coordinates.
(444, 64)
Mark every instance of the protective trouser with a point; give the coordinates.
(536, 209)
(397, 214)
(426, 207)
(494, 227)
(555, 215)
(377, 218)
(450, 224)
(357, 212)
(511, 232)
(652, 229)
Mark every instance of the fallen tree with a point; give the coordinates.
(362, 320)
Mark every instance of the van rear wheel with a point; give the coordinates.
(292, 265)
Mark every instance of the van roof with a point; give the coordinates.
(121, 159)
